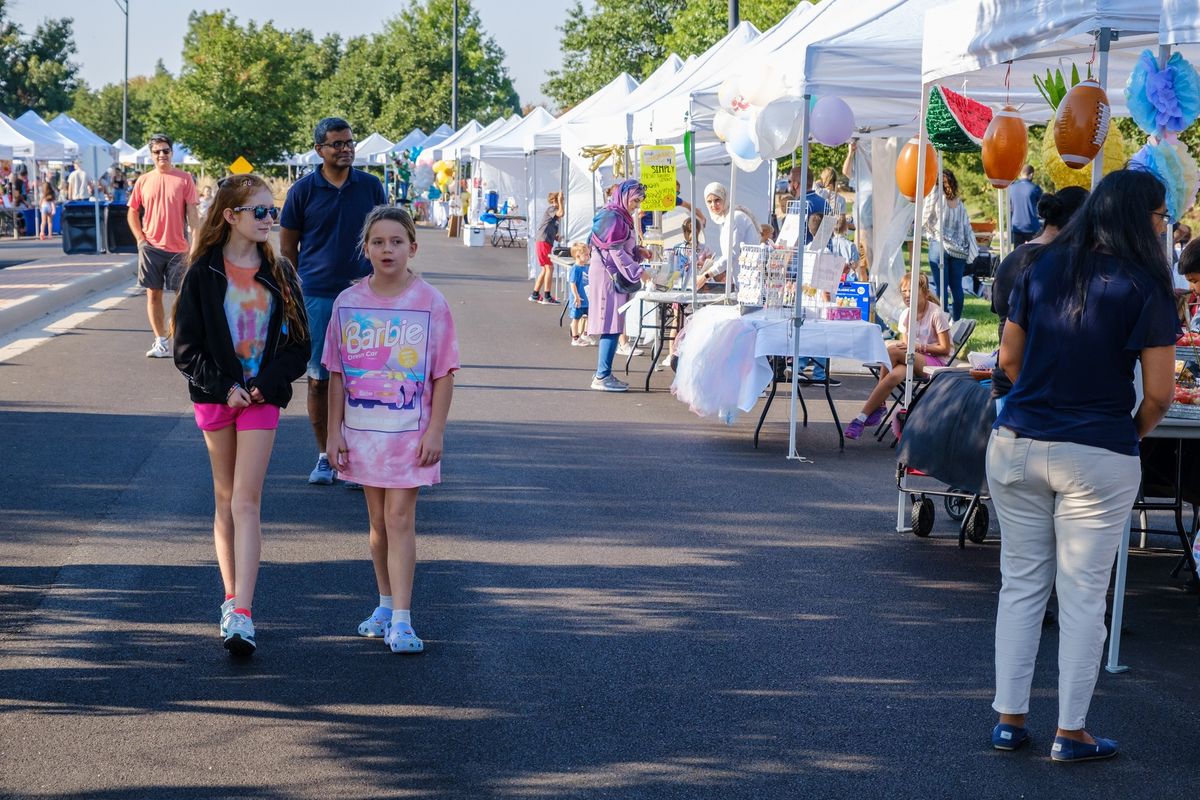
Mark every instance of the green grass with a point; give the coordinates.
(985, 339)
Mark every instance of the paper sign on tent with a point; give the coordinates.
(658, 176)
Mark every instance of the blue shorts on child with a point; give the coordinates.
(578, 312)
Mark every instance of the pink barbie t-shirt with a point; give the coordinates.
(389, 350)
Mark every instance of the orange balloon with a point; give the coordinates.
(1005, 145)
(1081, 124)
(906, 169)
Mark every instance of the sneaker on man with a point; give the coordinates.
(226, 610)
(548, 301)
(626, 349)
(323, 473)
(160, 349)
(402, 639)
(609, 384)
(239, 635)
(375, 626)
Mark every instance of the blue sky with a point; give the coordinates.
(156, 29)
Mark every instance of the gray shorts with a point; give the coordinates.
(159, 269)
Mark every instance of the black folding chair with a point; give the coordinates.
(960, 334)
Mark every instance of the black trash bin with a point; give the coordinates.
(79, 229)
(118, 236)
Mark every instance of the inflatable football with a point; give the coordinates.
(1005, 145)
(1081, 124)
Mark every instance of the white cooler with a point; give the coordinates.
(473, 236)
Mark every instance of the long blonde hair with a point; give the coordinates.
(922, 287)
(233, 191)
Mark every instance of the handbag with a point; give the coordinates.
(621, 284)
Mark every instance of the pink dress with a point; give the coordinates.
(389, 350)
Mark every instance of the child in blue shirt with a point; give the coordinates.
(577, 307)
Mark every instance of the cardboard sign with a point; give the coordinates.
(658, 175)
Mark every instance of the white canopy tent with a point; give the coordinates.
(35, 123)
(611, 95)
(95, 154)
(461, 148)
(180, 154)
(468, 131)
(439, 135)
(37, 144)
(414, 138)
(123, 148)
(14, 140)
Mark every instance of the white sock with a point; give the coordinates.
(402, 618)
(861, 418)
(385, 601)
(323, 455)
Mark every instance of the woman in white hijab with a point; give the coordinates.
(745, 231)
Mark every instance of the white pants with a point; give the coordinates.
(1063, 508)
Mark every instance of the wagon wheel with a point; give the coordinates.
(977, 524)
(957, 505)
(922, 517)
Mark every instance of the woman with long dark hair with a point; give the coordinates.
(1062, 463)
(241, 338)
(951, 243)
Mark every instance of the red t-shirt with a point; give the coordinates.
(163, 198)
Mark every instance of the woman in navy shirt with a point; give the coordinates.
(1062, 463)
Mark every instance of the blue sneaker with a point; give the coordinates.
(1069, 751)
(1009, 737)
(226, 610)
(323, 472)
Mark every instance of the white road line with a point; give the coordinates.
(24, 339)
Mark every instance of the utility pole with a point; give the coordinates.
(734, 16)
(454, 73)
(123, 5)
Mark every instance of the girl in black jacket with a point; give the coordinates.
(241, 338)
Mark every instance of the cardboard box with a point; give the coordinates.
(860, 293)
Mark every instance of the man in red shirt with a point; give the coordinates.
(162, 202)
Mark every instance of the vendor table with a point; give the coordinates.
(774, 334)
(1180, 431)
(662, 323)
(506, 231)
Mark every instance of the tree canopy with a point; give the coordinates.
(35, 70)
(400, 78)
(100, 109)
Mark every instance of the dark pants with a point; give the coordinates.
(952, 301)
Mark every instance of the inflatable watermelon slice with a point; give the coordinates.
(955, 123)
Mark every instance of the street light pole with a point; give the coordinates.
(454, 73)
(734, 15)
(123, 6)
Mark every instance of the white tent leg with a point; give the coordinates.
(695, 218)
(797, 313)
(914, 275)
(730, 266)
(1103, 38)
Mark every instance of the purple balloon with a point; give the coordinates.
(832, 121)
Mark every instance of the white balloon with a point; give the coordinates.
(746, 164)
(723, 123)
(775, 125)
(727, 91)
(765, 86)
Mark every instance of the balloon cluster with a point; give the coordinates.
(758, 119)
(1164, 101)
(443, 172)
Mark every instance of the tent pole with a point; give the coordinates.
(730, 266)
(1104, 39)
(914, 275)
(797, 316)
(694, 219)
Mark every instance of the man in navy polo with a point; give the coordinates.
(319, 230)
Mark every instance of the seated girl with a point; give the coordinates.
(932, 348)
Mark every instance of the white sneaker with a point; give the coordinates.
(239, 635)
(226, 611)
(578, 342)
(627, 349)
(609, 384)
(160, 349)
(587, 340)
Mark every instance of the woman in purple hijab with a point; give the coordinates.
(614, 251)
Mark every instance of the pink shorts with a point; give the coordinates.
(254, 417)
(935, 361)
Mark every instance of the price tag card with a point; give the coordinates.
(658, 175)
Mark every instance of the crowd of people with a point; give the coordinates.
(48, 191)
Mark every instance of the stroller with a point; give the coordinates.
(945, 438)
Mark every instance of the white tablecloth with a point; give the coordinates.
(722, 355)
(633, 310)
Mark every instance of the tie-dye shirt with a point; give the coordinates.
(248, 306)
(389, 350)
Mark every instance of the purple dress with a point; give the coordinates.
(613, 234)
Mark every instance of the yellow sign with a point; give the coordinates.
(658, 175)
(241, 166)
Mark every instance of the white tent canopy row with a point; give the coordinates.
(180, 154)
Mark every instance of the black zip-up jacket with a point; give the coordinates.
(204, 347)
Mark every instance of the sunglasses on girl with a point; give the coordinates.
(260, 212)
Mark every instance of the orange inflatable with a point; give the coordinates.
(1081, 124)
(906, 170)
(1005, 145)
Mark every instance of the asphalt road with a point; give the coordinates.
(619, 600)
(19, 251)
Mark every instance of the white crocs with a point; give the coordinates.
(403, 639)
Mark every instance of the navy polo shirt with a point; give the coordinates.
(1076, 381)
(329, 220)
(1023, 197)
